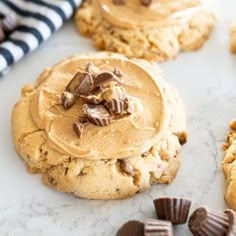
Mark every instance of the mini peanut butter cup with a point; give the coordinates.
(155, 227)
(97, 114)
(81, 84)
(206, 222)
(131, 228)
(175, 210)
(232, 222)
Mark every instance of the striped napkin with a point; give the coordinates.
(38, 20)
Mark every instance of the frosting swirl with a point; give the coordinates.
(129, 136)
(132, 14)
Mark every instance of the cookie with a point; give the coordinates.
(229, 166)
(155, 31)
(139, 146)
(233, 38)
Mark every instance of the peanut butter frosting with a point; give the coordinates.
(133, 14)
(128, 136)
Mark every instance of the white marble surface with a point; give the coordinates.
(207, 82)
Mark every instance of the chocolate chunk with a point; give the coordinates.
(94, 99)
(2, 34)
(92, 69)
(154, 227)
(207, 222)
(232, 222)
(97, 114)
(126, 167)
(79, 126)
(104, 79)
(117, 72)
(10, 23)
(119, 2)
(116, 100)
(89, 67)
(116, 107)
(131, 228)
(81, 84)
(145, 154)
(146, 2)
(173, 209)
(114, 93)
(68, 100)
(128, 107)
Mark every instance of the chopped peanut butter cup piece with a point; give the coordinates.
(114, 93)
(94, 99)
(81, 84)
(131, 228)
(126, 168)
(116, 107)
(104, 79)
(97, 114)
(79, 126)
(119, 2)
(175, 210)
(117, 72)
(204, 221)
(154, 227)
(116, 100)
(67, 99)
(146, 2)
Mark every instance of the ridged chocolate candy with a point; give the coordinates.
(131, 228)
(154, 227)
(97, 114)
(175, 210)
(79, 126)
(67, 99)
(105, 78)
(81, 84)
(206, 222)
(232, 222)
(117, 72)
(116, 106)
(116, 100)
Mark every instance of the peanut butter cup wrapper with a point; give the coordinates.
(204, 221)
(154, 227)
(175, 210)
(232, 222)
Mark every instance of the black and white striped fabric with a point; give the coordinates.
(38, 20)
